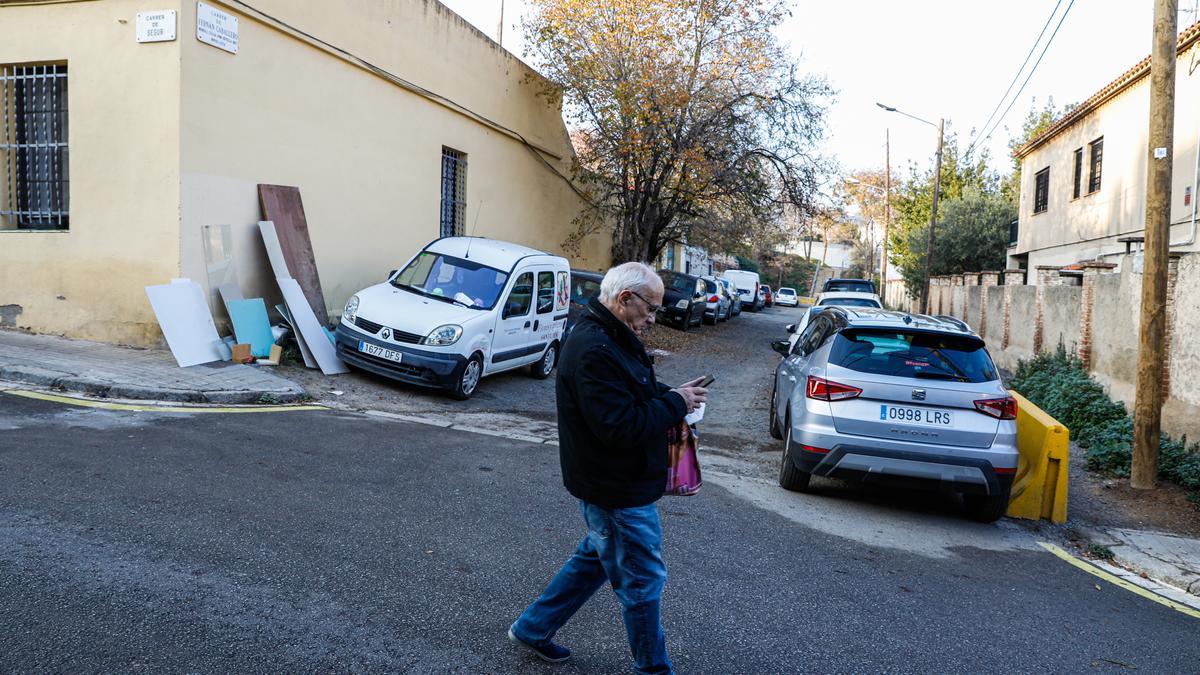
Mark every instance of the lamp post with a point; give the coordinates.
(937, 186)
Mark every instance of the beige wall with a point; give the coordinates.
(1071, 230)
(123, 108)
(365, 152)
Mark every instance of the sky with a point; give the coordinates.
(934, 59)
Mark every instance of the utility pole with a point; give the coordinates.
(887, 205)
(937, 187)
(500, 26)
(1147, 412)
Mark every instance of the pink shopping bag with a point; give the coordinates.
(683, 466)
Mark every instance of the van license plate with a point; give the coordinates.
(389, 354)
(936, 418)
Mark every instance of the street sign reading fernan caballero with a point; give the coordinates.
(217, 28)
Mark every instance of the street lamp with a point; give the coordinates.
(937, 186)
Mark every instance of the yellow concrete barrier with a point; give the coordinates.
(1040, 487)
(804, 300)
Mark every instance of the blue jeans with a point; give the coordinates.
(624, 547)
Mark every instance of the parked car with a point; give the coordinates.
(461, 309)
(749, 288)
(716, 301)
(585, 285)
(909, 400)
(833, 299)
(768, 296)
(683, 299)
(849, 285)
(787, 297)
(735, 302)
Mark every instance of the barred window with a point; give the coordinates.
(1078, 172)
(454, 193)
(1041, 190)
(33, 148)
(1097, 151)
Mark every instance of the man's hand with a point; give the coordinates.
(693, 394)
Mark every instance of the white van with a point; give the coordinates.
(749, 288)
(460, 309)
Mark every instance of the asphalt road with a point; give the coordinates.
(330, 541)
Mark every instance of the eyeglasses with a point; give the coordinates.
(649, 305)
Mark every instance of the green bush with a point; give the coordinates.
(1058, 384)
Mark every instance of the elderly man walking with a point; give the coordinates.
(613, 418)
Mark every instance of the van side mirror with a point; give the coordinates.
(783, 347)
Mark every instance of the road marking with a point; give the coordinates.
(1117, 581)
(134, 407)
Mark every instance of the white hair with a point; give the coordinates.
(631, 276)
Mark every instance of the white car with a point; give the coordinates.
(830, 299)
(787, 296)
(460, 309)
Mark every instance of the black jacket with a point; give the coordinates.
(613, 416)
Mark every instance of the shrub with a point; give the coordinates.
(1058, 384)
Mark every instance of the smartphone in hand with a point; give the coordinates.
(708, 380)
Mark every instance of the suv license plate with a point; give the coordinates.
(389, 354)
(936, 418)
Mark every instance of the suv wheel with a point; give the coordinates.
(791, 478)
(986, 508)
(773, 421)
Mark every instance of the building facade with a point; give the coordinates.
(1083, 180)
(398, 121)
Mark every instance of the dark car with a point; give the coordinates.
(585, 285)
(683, 302)
(849, 286)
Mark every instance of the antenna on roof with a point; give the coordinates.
(474, 227)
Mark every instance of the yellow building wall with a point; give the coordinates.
(365, 152)
(123, 126)
(1084, 228)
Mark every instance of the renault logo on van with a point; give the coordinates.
(386, 334)
(918, 394)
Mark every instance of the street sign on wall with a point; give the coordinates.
(217, 28)
(156, 26)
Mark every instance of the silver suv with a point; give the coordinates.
(911, 400)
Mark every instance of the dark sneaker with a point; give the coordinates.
(551, 652)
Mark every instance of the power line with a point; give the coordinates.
(1020, 70)
(1031, 72)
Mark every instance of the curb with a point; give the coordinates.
(101, 389)
(1131, 557)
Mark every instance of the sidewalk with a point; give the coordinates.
(109, 371)
(1168, 558)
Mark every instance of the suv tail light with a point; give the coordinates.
(825, 390)
(1000, 408)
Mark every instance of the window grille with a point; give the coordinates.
(454, 193)
(1041, 194)
(1097, 152)
(33, 149)
(1079, 172)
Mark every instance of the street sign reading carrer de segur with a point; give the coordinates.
(217, 28)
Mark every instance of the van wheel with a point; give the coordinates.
(545, 365)
(791, 478)
(468, 378)
(986, 508)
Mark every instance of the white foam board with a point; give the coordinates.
(186, 322)
(274, 251)
(310, 329)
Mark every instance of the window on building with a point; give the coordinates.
(1041, 190)
(1096, 150)
(34, 175)
(454, 193)
(670, 256)
(1078, 172)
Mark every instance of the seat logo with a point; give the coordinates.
(918, 394)
(386, 334)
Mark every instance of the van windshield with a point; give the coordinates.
(452, 280)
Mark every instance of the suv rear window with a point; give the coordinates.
(849, 302)
(855, 286)
(932, 356)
